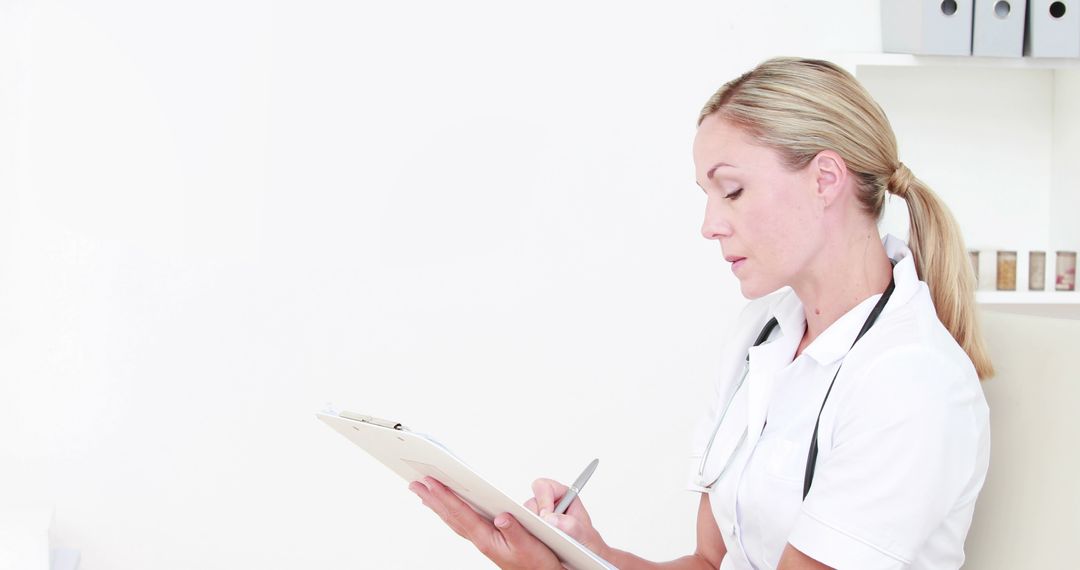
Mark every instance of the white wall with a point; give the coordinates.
(994, 174)
(479, 218)
(1065, 175)
(1028, 515)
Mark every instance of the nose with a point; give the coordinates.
(717, 224)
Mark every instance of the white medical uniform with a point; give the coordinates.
(903, 445)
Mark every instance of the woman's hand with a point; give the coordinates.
(505, 542)
(576, 522)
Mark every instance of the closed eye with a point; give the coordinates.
(733, 195)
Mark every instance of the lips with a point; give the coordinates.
(735, 260)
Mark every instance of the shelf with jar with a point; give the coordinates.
(1033, 282)
(998, 140)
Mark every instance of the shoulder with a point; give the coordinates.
(909, 360)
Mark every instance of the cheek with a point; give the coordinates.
(782, 236)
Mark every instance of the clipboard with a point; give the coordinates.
(414, 455)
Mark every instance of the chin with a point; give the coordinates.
(752, 290)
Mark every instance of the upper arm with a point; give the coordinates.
(710, 545)
(793, 559)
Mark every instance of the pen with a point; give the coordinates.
(576, 487)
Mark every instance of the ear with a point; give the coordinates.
(832, 176)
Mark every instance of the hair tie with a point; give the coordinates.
(900, 180)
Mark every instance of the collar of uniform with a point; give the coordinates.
(835, 341)
(777, 351)
(789, 315)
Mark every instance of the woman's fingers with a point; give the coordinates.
(503, 540)
(517, 548)
(459, 516)
(575, 522)
(578, 511)
(506, 542)
(547, 492)
(544, 497)
(568, 525)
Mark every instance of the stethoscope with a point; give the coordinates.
(811, 459)
(761, 337)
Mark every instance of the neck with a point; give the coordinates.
(843, 275)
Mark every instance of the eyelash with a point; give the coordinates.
(734, 195)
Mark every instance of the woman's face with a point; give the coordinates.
(765, 216)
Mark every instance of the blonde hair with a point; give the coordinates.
(800, 107)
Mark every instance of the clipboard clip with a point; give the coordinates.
(374, 421)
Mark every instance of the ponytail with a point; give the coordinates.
(941, 261)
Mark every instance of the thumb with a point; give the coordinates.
(511, 530)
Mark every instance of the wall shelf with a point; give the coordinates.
(1060, 304)
(852, 61)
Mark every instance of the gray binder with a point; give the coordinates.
(926, 27)
(999, 28)
(1053, 28)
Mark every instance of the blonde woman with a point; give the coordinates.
(848, 429)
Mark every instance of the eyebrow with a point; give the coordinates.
(712, 170)
(715, 166)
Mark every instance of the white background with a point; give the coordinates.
(479, 218)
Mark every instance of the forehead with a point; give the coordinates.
(718, 140)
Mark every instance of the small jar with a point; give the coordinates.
(1036, 270)
(974, 256)
(1065, 276)
(1006, 271)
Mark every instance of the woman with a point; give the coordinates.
(849, 429)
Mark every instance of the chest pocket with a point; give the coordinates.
(783, 459)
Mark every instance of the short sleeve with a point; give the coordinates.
(906, 446)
